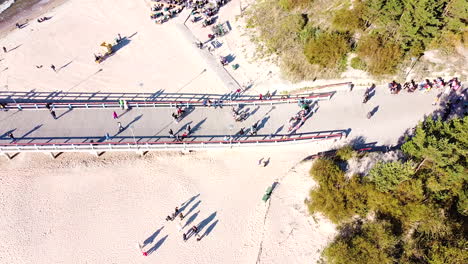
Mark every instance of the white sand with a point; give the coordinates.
(157, 57)
(82, 209)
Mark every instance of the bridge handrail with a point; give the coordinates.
(137, 104)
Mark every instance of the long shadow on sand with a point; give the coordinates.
(209, 229)
(191, 219)
(151, 238)
(205, 222)
(157, 245)
(186, 203)
(193, 208)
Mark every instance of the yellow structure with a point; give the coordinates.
(108, 46)
(109, 52)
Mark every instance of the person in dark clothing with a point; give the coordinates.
(53, 114)
(10, 135)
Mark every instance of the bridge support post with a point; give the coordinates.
(6, 155)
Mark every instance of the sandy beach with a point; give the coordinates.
(155, 57)
(81, 209)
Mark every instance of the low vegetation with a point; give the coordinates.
(412, 210)
(313, 37)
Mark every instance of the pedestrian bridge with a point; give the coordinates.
(82, 125)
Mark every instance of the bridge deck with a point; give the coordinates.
(345, 112)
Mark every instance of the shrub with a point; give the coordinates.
(328, 49)
(358, 64)
(348, 20)
(345, 153)
(290, 4)
(337, 197)
(387, 176)
(370, 243)
(381, 56)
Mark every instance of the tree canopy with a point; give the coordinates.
(412, 210)
(383, 33)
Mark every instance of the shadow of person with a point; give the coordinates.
(186, 203)
(206, 221)
(193, 208)
(374, 110)
(151, 238)
(191, 219)
(64, 113)
(198, 125)
(157, 245)
(12, 49)
(208, 230)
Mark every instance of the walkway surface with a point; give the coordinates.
(344, 112)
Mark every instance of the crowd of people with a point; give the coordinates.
(163, 10)
(453, 84)
(451, 93)
(296, 121)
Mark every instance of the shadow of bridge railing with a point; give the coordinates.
(155, 140)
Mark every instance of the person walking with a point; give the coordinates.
(253, 129)
(53, 67)
(175, 117)
(10, 135)
(5, 50)
(238, 92)
(189, 130)
(115, 115)
(171, 133)
(107, 137)
(53, 114)
(120, 127)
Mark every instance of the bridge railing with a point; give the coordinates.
(285, 99)
(160, 145)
